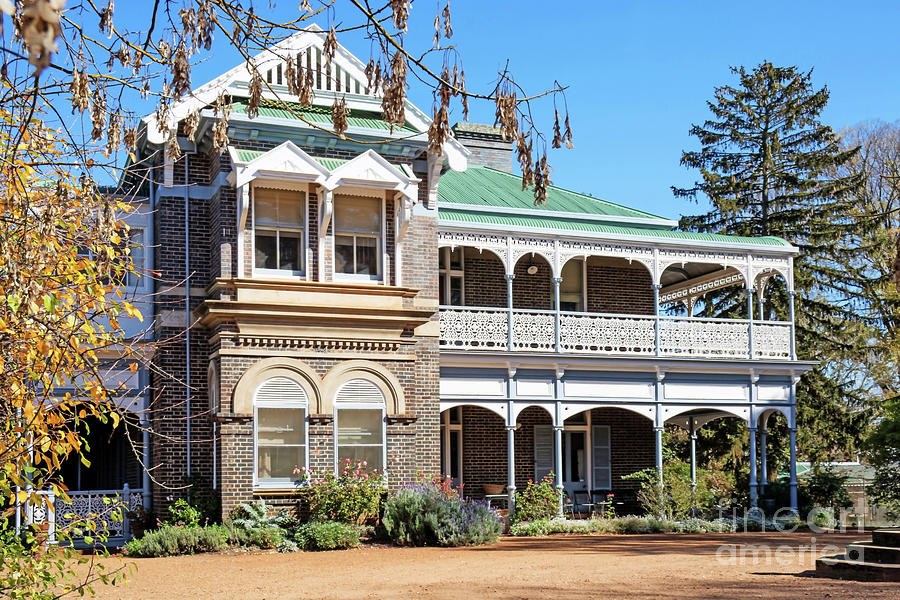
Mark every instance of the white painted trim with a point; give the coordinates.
(451, 226)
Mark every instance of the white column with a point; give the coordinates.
(659, 425)
(511, 467)
(793, 328)
(693, 433)
(763, 456)
(556, 282)
(509, 308)
(754, 499)
(558, 463)
(656, 288)
(750, 320)
(793, 446)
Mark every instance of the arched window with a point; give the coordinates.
(359, 423)
(279, 431)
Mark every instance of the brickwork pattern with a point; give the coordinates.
(605, 286)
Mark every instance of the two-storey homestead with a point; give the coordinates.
(364, 298)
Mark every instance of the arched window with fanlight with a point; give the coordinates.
(359, 423)
(280, 408)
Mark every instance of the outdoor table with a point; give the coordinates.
(499, 497)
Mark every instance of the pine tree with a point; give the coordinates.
(770, 166)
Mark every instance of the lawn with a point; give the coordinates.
(576, 567)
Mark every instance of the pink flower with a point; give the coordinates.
(346, 460)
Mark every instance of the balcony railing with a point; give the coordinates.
(606, 334)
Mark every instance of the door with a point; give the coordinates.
(574, 461)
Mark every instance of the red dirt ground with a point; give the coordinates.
(566, 567)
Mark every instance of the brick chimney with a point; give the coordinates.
(486, 145)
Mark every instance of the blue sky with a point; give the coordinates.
(639, 73)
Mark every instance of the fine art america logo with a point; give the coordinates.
(817, 522)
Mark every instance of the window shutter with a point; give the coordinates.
(281, 390)
(601, 459)
(543, 451)
(360, 390)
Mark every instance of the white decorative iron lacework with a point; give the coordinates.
(597, 334)
(477, 328)
(99, 506)
(533, 330)
(709, 338)
(772, 340)
(623, 335)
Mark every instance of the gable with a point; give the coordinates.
(344, 77)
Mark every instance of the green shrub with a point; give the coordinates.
(254, 537)
(531, 528)
(327, 536)
(172, 540)
(424, 514)
(539, 500)
(677, 499)
(621, 525)
(183, 514)
(354, 496)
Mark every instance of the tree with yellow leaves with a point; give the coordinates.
(61, 258)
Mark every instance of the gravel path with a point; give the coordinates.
(771, 566)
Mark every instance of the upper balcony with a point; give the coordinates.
(582, 276)
(510, 293)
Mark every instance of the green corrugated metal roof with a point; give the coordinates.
(449, 213)
(320, 114)
(483, 186)
(329, 163)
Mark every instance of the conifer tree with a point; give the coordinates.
(770, 167)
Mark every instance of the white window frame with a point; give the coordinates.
(139, 280)
(449, 273)
(380, 251)
(280, 482)
(344, 405)
(446, 428)
(304, 234)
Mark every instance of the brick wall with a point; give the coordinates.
(484, 280)
(533, 292)
(606, 284)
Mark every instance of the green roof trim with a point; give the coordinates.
(562, 223)
(320, 115)
(480, 186)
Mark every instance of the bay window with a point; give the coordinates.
(358, 237)
(278, 226)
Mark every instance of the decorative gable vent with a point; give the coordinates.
(325, 77)
(282, 390)
(360, 391)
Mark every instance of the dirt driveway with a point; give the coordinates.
(771, 566)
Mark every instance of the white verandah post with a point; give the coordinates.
(792, 425)
(509, 308)
(558, 455)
